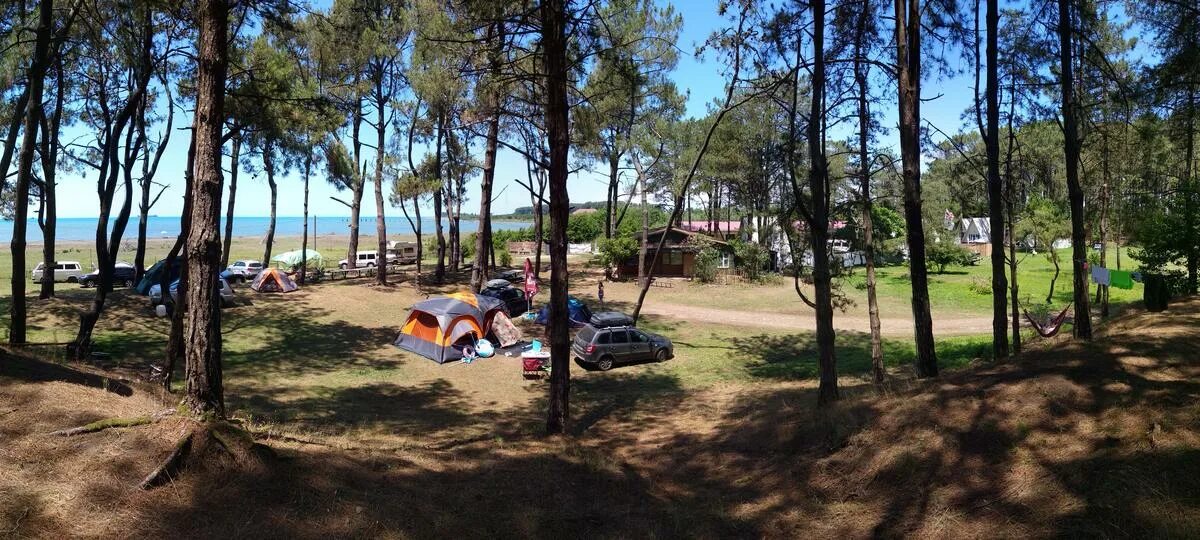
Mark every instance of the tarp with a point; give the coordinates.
(153, 275)
(439, 328)
(294, 258)
(507, 333)
(577, 313)
(272, 280)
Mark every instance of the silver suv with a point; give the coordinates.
(606, 347)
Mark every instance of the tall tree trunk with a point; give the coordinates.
(995, 187)
(175, 344)
(818, 183)
(1101, 290)
(1192, 254)
(269, 167)
(304, 235)
(234, 155)
(380, 222)
(1010, 206)
(554, 45)
(49, 151)
(35, 81)
(908, 48)
(645, 227)
(357, 189)
(483, 237)
(538, 232)
(1083, 316)
(862, 81)
(439, 272)
(610, 202)
(202, 331)
(420, 242)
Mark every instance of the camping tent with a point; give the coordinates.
(577, 313)
(272, 280)
(439, 328)
(294, 258)
(153, 275)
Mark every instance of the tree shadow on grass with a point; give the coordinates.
(27, 369)
(794, 356)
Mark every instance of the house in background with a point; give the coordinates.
(975, 234)
(679, 253)
(721, 230)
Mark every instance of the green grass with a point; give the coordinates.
(712, 354)
(968, 288)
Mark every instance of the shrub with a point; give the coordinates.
(707, 260)
(613, 251)
(503, 257)
(751, 259)
(943, 254)
(980, 286)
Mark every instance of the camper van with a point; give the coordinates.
(402, 252)
(68, 271)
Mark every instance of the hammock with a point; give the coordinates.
(1051, 328)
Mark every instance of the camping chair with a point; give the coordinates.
(535, 367)
(1051, 328)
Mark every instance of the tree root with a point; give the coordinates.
(210, 443)
(170, 467)
(101, 425)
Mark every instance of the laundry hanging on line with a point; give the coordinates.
(1120, 279)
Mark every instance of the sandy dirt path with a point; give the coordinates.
(958, 325)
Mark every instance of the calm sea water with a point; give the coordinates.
(76, 229)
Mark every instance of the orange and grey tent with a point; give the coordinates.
(272, 280)
(439, 328)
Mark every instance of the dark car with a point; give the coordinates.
(606, 347)
(514, 299)
(123, 276)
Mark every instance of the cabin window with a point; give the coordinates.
(674, 258)
(726, 261)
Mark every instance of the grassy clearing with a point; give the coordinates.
(960, 292)
(1074, 440)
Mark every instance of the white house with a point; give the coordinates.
(975, 231)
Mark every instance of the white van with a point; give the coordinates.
(68, 271)
(366, 259)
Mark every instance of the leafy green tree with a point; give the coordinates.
(627, 87)
(1044, 223)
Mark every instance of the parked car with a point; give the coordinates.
(223, 288)
(365, 259)
(68, 271)
(242, 271)
(606, 347)
(514, 299)
(123, 276)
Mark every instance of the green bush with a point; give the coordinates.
(943, 254)
(614, 251)
(707, 260)
(503, 257)
(751, 259)
(980, 286)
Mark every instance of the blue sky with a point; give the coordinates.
(700, 78)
